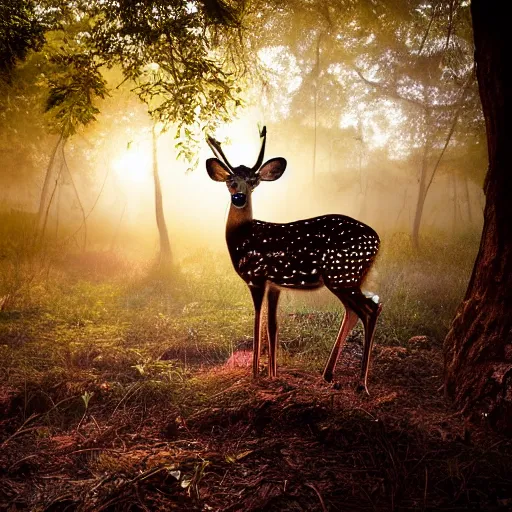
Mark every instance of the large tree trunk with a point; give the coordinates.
(478, 348)
(165, 246)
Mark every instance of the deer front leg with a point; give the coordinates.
(272, 300)
(257, 298)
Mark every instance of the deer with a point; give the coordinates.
(334, 251)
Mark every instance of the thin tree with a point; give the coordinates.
(175, 58)
(74, 84)
(165, 245)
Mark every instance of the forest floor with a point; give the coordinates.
(226, 442)
(128, 395)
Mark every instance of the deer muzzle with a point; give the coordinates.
(239, 200)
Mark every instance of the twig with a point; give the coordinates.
(96, 423)
(366, 412)
(21, 430)
(143, 476)
(17, 462)
(95, 449)
(322, 504)
(125, 397)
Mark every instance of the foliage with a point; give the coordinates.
(20, 31)
(74, 83)
(172, 53)
(399, 74)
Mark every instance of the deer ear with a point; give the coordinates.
(273, 169)
(217, 170)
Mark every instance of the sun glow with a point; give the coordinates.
(133, 165)
(240, 140)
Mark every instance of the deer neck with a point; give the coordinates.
(237, 218)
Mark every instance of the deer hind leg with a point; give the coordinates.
(348, 323)
(368, 310)
(369, 331)
(257, 298)
(272, 300)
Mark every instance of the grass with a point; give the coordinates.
(114, 393)
(116, 320)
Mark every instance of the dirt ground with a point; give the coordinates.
(225, 442)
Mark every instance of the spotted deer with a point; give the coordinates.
(331, 250)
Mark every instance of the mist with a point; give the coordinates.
(246, 258)
(111, 164)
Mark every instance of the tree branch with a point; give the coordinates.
(389, 92)
(424, 39)
(465, 88)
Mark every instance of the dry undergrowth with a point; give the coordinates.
(224, 442)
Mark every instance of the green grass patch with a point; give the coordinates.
(98, 320)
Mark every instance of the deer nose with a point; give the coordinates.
(239, 200)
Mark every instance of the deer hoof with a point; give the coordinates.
(327, 377)
(361, 388)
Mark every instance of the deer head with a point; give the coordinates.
(242, 180)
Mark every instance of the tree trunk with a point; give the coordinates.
(46, 185)
(478, 348)
(424, 184)
(165, 246)
(468, 202)
(77, 196)
(455, 204)
(315, 105)
(44, 222)
(422, 196)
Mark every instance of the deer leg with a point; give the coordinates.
(272, 300)
(348, 323)
(368, 311)
(257, 298)
(369, 331)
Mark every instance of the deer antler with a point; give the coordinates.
(217, 149)
(263, 136)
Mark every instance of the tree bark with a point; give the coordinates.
(165, 245)
(478, 348)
